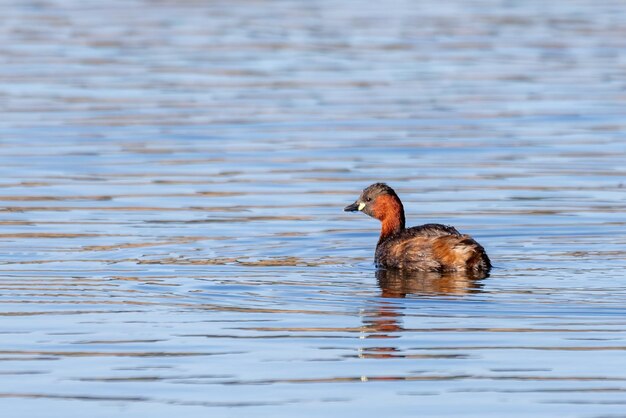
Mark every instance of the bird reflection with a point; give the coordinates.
(382, 320)
(399, 283)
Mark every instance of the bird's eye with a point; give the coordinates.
(368, 199)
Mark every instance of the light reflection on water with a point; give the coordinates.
(172, 178)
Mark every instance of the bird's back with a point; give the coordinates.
(432, 247)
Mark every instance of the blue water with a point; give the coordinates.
(172, 178)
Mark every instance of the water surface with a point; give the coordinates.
(172, 178)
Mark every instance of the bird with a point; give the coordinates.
(426, 248)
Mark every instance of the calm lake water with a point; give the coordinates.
(172, 178)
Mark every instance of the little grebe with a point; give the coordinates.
(430, 247)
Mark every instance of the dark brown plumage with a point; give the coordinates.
(430, 247)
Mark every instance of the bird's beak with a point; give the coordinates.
(356, 206)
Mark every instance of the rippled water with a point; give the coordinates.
(172, 178)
